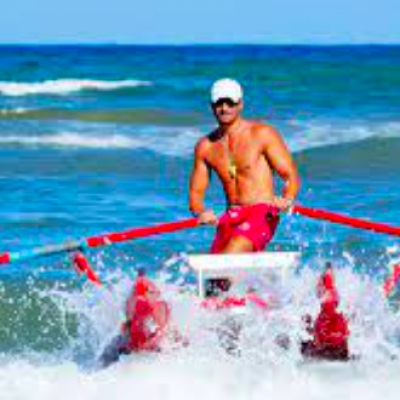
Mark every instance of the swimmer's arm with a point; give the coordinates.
(279, 157)
(199, 180)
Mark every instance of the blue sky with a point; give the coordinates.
(200, 21)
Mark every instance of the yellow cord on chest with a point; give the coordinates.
(232, 168)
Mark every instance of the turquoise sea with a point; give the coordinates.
(95, 139)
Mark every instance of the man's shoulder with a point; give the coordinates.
(203, 145)
(209, 139)
(263, 132)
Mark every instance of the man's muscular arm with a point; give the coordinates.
(199, 182)
(282, 162)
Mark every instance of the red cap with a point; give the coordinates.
(141, 287)
(144, 286)
(326, 289)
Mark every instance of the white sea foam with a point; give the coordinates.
(178, 141)
(65, 86)
(72, 140)
(196, 379)
(204, 371)
(313, 134)
(14, 111)
(175, 142)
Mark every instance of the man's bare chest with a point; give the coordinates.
(233, 160)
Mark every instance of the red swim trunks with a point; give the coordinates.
(256, 223)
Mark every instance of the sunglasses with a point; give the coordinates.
(229, 102)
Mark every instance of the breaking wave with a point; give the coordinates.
(65, 86)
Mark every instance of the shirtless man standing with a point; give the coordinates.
(244, 155)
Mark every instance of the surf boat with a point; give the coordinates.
(240, 274)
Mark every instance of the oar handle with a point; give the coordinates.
(336, 218)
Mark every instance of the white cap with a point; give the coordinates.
(226, 89)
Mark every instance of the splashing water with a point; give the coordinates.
(87, 318)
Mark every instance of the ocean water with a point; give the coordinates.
(99, 138)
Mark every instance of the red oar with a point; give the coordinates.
(83, 266)
(391, 281)
(96, 241)
(137, 233)
(80, 261)
(341, 219)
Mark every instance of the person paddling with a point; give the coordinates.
(147, 316)
(245, 155)
(330, 331)
(147, 321)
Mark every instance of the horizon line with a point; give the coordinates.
(203, 44)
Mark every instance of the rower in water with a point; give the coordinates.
(146, 325)
(329, 331)
(245, 155)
